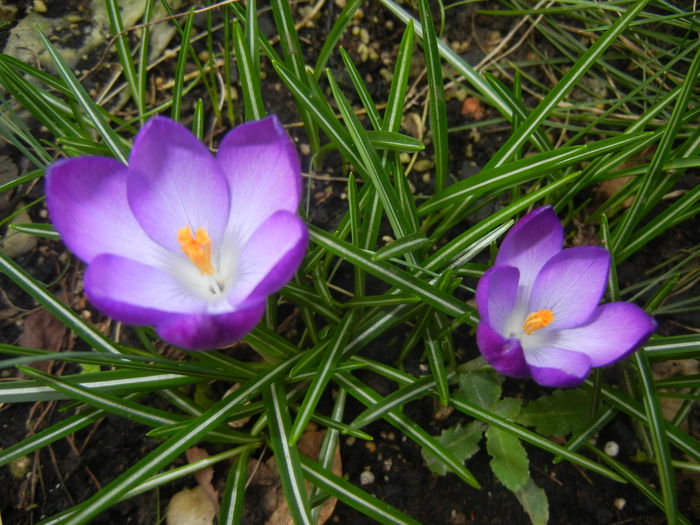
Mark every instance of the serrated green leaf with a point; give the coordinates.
(564, 412)
(508, 408)
(463, 442)
(481, 387)
(534, 502)
(509, 460)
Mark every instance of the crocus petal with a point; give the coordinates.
(175, 182)
(206, 331)
(269, 259)
(557, 367)
(534, 240)
(496, 295)
(504, 355)
(86, 198)
(263, 173)
(614, 331)
(137, 293)
(571, 285)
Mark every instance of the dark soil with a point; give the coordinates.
(70, 471)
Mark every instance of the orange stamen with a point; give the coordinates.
(537, 320)
(198, 248)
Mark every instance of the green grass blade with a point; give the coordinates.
(110, 137)
(37, 290)
(178, 87)
(287, 456)
(651, 190)
(349, 494)
(530, 437)
(173, 446)
(371, 163)
(362, 91)
(249, 77)
(566, 84)
(334, 35)
(124, 53)
(369, 397)
(452, 58)
(399, 82)
(437, 107)
(323, 373)
(388, 273)
(662, 454)
(233, 499)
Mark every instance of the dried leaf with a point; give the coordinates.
(203, 475)
(42, 330)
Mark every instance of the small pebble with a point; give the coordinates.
(612, 449)
(366, 477)
(620, 503)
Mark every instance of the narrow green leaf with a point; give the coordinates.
(403, 280)
(566, 84)
(249, 76)
(112, 140)
(178, 86)
(350, 495)
(173, 447)
(51, 303)
(233, 499)
(437, 106)
(287, 456)
(410, 243)
(393, 141)
(124, 52)
(323, 373)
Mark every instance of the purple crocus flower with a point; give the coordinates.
(180, 239)
(539, 308)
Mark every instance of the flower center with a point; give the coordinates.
(197, 248)
(537, 320)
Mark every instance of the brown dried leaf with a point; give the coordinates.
(204, 475)
(42, 330)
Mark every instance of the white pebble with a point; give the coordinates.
(366, 478)
(612, 449)
(620, 503)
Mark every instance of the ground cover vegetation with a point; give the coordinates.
(397, 372)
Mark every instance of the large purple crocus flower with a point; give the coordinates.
(539, 308)
(180, 239)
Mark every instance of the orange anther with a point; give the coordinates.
(537, 320)
(198, 248)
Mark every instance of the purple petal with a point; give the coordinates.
(534, 240)
(263, 173)
(496, 295)
(86, 198)
(571, 285)
(136, 293)
(557, 367)
(205, 331)
(174, 182)
(269, 259)
(504, 355)
(613, 332)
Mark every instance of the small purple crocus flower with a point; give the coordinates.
(180, 239)
(539, 308)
